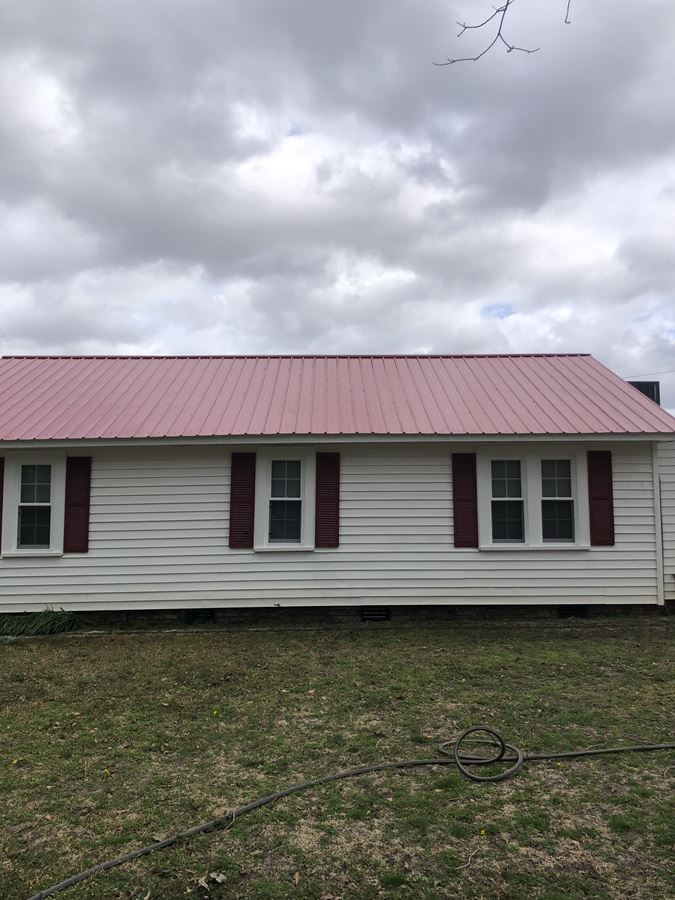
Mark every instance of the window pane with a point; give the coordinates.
(506, 480)
(285, 478)
(28, 474)
(35, 484)
(556, 477)
(513, 487)
(548, 487)
(548, 468)
(557, 520)
(508, 520)
(28, 479)
(285, 521)
(292, 487)
(278, 487)
(279, 468)
(44, 474)
(42, 534)
(27, 493)
(564, 487)
(499, 487)
(42, 493)
(34, 526)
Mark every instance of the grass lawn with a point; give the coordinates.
(108, 742)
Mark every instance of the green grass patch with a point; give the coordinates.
(107, 742)
(46, 621)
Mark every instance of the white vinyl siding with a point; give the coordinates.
(159, 536)
(666, 453)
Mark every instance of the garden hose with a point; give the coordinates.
(452, 754)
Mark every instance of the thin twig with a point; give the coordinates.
(468, 862)
(500, 12)
(464, 27)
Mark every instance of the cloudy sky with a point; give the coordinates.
(211, 176)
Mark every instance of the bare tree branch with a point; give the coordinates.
(499, 13)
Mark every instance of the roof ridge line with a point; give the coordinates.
(291, 355)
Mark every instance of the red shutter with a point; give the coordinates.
(601, 498)
(464, 499)
(327, 516)
(78, 489)
(242, 500)
(2, 484)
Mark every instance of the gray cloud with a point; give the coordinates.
(221, 177)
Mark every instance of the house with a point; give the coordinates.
(170, 482)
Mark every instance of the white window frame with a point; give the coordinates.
(530, 458)
(263, 495)
(522, 498)
(12, 497)
(573, 497)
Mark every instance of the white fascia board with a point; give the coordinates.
(253, 441)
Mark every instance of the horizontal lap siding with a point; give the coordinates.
(667, 478)
(159, 536)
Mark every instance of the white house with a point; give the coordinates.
(156, 482)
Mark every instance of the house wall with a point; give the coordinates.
(667, 480)
(159, 535)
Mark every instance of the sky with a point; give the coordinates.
(296, 176)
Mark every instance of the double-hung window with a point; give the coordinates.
(285, 499)
(508, 507)
(285, 518)
(35, 507)
(532, 497)
(557, 503)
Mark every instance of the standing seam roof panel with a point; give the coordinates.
(208, 412)
(67, 398)
(519, 384)
(461, 420)
(609, 386)
(522, 419)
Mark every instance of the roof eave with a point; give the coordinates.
(296, 439)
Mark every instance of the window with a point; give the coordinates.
(285, 499)
(35, 511)
(557, 504)
(532, 496)
(285, 519)
(508, 511)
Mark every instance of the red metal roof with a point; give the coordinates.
(68, 398)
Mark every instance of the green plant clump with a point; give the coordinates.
(46, 621)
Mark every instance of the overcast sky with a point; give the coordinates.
(211, 176)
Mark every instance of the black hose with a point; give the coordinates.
(451, 750)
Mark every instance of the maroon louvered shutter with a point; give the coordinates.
(78, 490)
(464, 499)
(600, 498)
(2, 484)
(327, 516)
(242, 500)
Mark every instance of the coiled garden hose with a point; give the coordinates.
(503, 752)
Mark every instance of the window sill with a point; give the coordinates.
(19, 554)
(522, 547)
(276, 548)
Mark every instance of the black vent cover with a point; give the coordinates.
(375, 614)
(650, 389)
